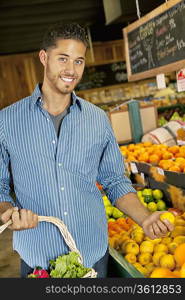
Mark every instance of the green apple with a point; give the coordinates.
(147, 192)
(117, 213)
(148, 198)
(139, 194)
(106, 201)
(142, 199)
(157, 194)
(111, 220)
(161, 205)
(152, 206)
(109, 210)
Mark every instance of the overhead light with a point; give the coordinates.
(112, 10)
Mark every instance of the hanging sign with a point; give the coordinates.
(155, 44)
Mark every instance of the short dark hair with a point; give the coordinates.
(63, 31)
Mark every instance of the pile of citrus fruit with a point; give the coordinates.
(152, 199)
(111, 211)
(159, 258)
(168, 158)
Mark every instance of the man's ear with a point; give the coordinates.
(43, 57)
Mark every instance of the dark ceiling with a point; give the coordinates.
(22, 22)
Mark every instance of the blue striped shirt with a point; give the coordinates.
(57, 176)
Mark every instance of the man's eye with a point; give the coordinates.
(79, 62)
(63, 59)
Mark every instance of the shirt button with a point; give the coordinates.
(47, 119)
(62, 188)
(65, 213)
(53, 141)
(59, 164)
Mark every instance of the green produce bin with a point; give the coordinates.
(119, 267)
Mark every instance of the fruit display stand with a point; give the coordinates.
(119, 267)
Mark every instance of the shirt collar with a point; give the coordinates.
(37, 95)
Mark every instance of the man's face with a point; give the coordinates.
(64, 65)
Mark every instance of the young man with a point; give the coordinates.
(58, 146)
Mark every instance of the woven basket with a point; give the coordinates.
(66, 235)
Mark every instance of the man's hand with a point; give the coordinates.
(155, 228)
(21, 219)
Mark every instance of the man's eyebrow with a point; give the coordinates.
(63, 54)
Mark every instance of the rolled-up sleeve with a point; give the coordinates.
(4, 169)
(111, 172)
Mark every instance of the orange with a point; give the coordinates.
(162, 273)
(179, 254)
(150, 150)
(165, 164)
(174, 168)
(131, 158)
(154, 159)
(180, 160)
(177, 273)
(147, 144)
(182, 271)
(143, 157)
(178, 155)
(131, 147)
(173, 149)
(167, 155)
(159, 154)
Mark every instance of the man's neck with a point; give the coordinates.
(55, 103)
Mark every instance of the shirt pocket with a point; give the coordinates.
(84, 155)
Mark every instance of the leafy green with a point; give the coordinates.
(67, 266)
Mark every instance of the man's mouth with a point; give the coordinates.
(67, 79)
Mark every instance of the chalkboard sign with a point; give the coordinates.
(156, 43)
(103, 75)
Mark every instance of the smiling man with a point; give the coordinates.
(58, 146)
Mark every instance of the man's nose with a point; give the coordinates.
(69, 68)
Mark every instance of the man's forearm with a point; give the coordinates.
(4, 206)
(131, 206)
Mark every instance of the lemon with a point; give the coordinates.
(131, 258)
(146, 246)
(168, 216)
(132, 247)
(167, 261)
(167, 240)
(161, 248)
(161, 205)
(156, 257)
(144, 258)
(152, 206)
(172, 246)
(150, 267)
(140, 268)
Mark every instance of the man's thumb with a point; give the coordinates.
(6, 216)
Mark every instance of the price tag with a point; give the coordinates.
(143, 176)
(160, 171)
(161, 83)
(126, 165)
(133, 168)
(181, 80)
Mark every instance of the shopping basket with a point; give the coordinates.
(66, 235)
